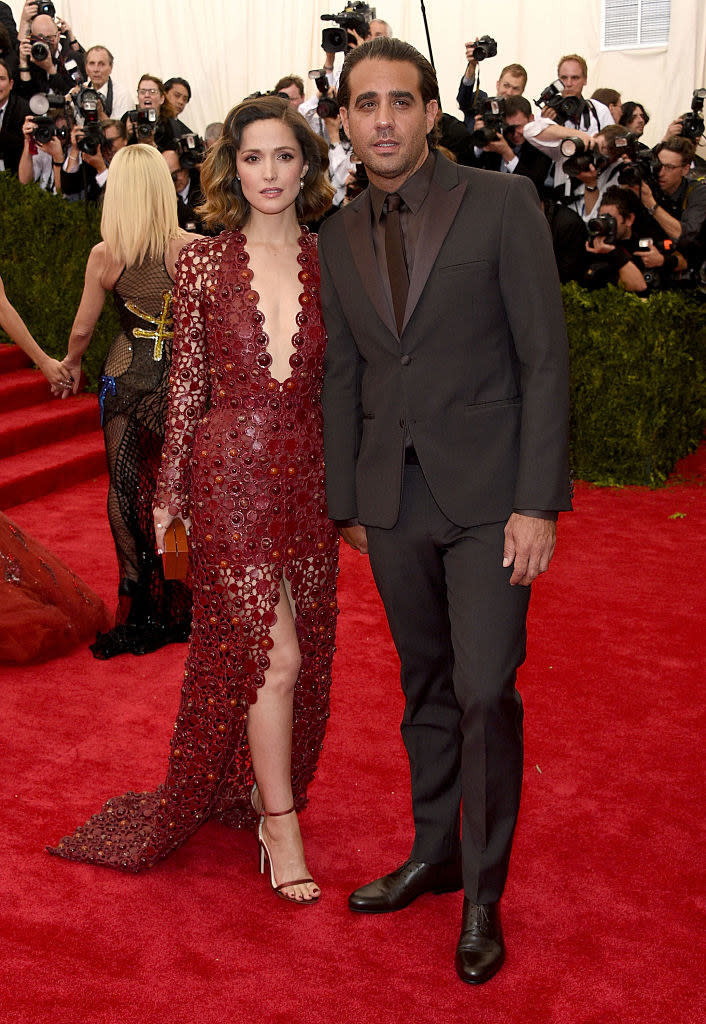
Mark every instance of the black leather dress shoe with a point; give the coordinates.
(481, 951)
(400, 887)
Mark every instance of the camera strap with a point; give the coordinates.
(108, 99)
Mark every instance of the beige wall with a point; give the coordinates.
(228, 48)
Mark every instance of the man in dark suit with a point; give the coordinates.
(445, 408)
(13, 111)
(510, 153)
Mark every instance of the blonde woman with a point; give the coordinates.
(136, 261)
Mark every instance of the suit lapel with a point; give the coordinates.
(357, 221)
(440, 208)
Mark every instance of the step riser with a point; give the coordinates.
(38, 484)
(30, 393)
(23, 438)
(12, 358)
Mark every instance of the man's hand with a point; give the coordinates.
(646, 196)
(598, 245)
(651, 257)
(529, 543)
(500, 145)
(356, 537)
(675, 128)
(472, 64)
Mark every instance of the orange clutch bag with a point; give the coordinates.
(175, 556)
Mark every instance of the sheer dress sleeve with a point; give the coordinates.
(188, 379)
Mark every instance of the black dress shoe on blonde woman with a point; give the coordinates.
(400, 887)
(481, 951)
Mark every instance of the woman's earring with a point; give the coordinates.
(301, 184)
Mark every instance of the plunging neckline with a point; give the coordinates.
(263, 322)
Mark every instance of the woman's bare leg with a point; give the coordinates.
(270, 738)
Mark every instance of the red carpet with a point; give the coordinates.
(603, 911)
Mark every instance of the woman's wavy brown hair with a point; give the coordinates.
(224, 203)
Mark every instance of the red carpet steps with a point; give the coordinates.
(64, 437)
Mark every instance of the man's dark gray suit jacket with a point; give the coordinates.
(478, 378)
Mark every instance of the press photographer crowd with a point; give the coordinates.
(619, 212)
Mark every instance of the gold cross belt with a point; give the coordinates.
(162, 324)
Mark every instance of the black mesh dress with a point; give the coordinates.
(133, 398)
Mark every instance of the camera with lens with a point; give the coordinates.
(603, 226)
(39, 51)
(358, 183)
(354, 17)
(643, 167)
(555, 88)
(493, 114)
(327, 107)
(144, 121)
(46, 7)
(693, 123)
(92, 138)
(484, 47)
(580, 158)
(191, 149)
(45, 128)
(567, 108)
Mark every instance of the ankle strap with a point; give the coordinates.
(278, 814)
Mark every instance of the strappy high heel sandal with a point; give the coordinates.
(264, 852)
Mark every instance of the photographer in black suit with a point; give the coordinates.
(13, 111)
(509, 151)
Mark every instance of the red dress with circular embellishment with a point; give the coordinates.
(243, 455)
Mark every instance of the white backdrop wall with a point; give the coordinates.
(229, 48)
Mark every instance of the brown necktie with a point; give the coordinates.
(394, 253)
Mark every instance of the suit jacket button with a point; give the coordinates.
(406, 360)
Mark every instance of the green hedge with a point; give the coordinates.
(44, 245)
(638, 372)
(638, 382)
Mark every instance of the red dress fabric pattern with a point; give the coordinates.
(243, 456)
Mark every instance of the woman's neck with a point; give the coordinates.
(275, 230)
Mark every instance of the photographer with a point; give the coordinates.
(49, 62)
(620, 254)
(85, 169)
(611, 246)
(114, 98)
(152, 122)
(293, 87)
(678, 201)
(43, 153)
(566, 114)
(610, 98)
(178, 94)
(470, 98)
(508, 151)
(13, 111)
(187, 185)
(594, 168)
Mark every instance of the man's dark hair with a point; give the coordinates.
(385, 48)
(623, 199)
(287, 80)
(517, 105)
(4, 64)
(5, 41)
(629, 108)
(177, 81)
(610, 133)
(684, 148)
(607, 96)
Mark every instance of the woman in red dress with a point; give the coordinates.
(242, 464)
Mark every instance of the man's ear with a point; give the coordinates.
(344, 120)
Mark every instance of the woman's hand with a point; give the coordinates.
(162, 521)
